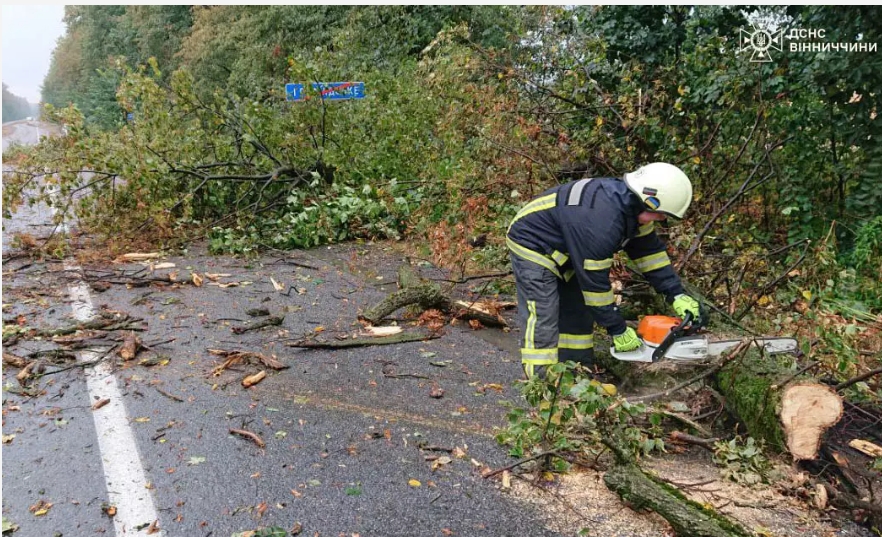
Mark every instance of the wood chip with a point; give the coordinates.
(251, 380)
(14, 361)
(278, 287)
(820, 497)
(865, 447)
(23, 375)
(130, 346)
(382, 331)
(135, 256)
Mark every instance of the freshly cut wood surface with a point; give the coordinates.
(807, 411)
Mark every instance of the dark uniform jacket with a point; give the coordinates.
(575, 228)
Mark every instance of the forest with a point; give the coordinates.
(15, 107)
(179, 129)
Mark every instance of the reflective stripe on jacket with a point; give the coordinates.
(577, 227)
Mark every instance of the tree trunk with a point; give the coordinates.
(789, 416)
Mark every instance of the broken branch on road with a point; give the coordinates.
(269, 321)
(404, 337)
(250, 436)
(106, 322)
(244, 357)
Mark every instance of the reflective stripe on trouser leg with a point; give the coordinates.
(538, 310)
(576, 339)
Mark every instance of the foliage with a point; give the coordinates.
(742, 460)
(312, 219)
(867, 254)
(273, 531)
(571, 413)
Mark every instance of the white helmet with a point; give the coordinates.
(662, 187)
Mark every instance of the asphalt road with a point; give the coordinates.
(347, 432)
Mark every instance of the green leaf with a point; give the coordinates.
(274, 531)
(9, 526)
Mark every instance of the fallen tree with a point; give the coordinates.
(790, 413)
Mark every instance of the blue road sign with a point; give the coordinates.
(294, 92)
(338, 91)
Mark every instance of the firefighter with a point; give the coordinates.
(562, 245)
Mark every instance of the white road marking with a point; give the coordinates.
(123, 472)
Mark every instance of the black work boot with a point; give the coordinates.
(585, 358)
(531, 371)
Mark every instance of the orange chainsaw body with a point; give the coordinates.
(654, 328)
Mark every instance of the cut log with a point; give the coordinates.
(644, 491)
(687, 518)
(789, 416)
(478, 311)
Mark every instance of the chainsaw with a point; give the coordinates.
(674, 339)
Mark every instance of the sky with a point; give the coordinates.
(29, 36)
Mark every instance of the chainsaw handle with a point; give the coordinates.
(678, 331)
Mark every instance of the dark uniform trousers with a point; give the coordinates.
(556, 324)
